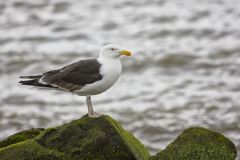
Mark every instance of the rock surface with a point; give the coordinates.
(84, 139)
(198, 144)
(105, 139)
(21, 136)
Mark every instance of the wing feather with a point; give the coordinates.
(74, 76)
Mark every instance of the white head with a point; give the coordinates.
(113, 51)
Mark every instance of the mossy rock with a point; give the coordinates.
(29, 150)
(198, 144)
(84, 139)
(105, 139)
(21, 136)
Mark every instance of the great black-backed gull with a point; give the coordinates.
(84, 77)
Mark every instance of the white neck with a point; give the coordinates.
(101, 58)
(111, 64)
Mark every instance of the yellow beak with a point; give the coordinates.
(125, 52)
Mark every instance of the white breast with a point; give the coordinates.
(110, 69)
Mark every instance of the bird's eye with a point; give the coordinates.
(112, 49)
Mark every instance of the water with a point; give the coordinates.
(184, 72)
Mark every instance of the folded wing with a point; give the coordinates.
(72, 77)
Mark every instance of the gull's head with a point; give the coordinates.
(113, 51)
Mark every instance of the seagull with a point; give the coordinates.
(85, 77)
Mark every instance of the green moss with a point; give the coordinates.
(29, 150)
(134, 145)
(21, 136)
(84, 139)
(105, 139)
(198, 144)
(89, 138)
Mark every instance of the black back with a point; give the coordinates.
(73, 76)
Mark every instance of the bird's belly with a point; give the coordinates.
(98, 86)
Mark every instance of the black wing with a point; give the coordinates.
(71, 77)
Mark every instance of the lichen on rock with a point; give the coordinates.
(198, 143)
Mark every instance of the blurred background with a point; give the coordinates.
(184, 72)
